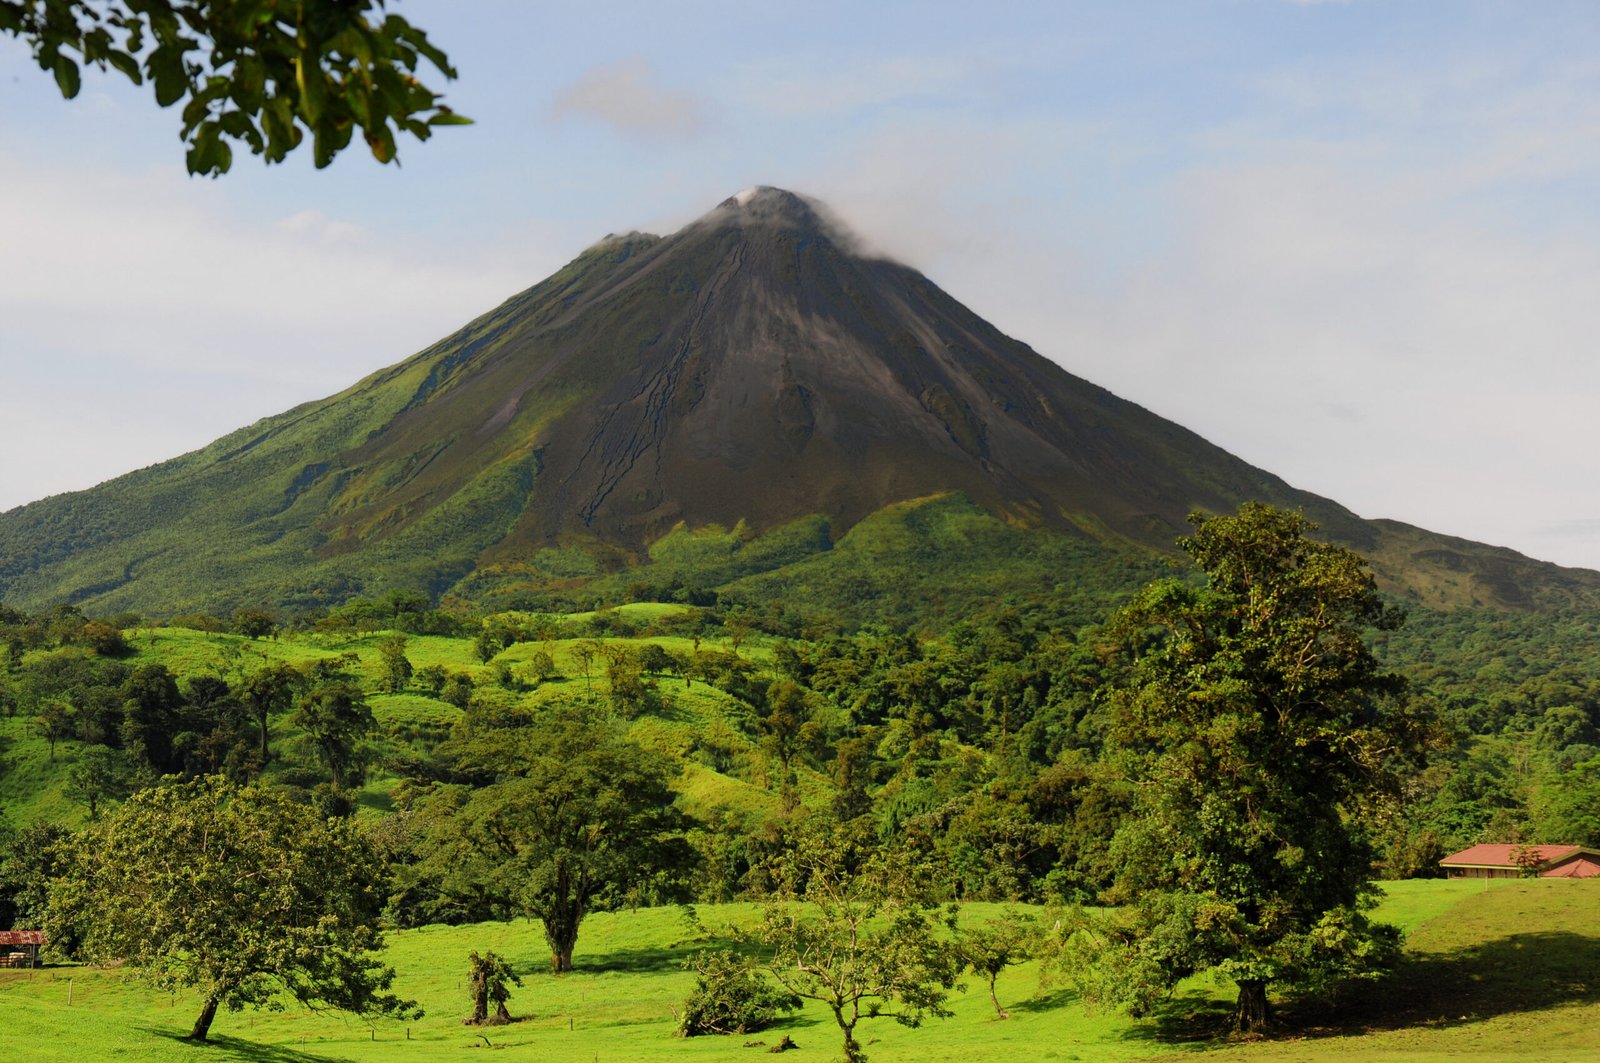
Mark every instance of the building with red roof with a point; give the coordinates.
(20, 948)
(1518, 861)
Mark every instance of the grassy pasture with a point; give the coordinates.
(1511, 971)
(31, 779)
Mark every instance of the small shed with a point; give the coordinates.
(1517, 861)
(20, 948)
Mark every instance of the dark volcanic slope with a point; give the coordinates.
(750, 367)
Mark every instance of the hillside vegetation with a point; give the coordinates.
(746, 752)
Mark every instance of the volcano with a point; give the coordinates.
(752, 370)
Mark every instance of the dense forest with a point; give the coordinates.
(474, 755)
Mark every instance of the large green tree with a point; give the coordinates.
(573, 817)
(238, 893)
(151, 712)
(267, 690)
(261, 73)
(336, 720)
(100, 774)
(29, 859)
(1260, 732)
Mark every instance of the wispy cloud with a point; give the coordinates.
(822, 86)
(627, 97)
(1431, 263)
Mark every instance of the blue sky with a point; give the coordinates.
(1355, 243)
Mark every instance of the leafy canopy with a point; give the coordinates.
(238, 893)
(573, 817)
(1261, 733)
(262, 73)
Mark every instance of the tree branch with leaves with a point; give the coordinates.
(864, 941)
(260, 73)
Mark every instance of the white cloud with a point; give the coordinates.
(317, 225)
(108, 258)
(626, 96)
(1298, 291)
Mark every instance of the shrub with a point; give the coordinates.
(730, 997)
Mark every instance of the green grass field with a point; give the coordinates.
(1508, 972)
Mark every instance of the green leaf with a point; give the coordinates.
(67, 77)
(166, 70)
(322, 149)
(277, 119)
(359, 102)
(209, 154)
(127, 64)
(249, 83)
(308, 80)
(381, 141)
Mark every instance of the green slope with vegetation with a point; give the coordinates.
(270, 513)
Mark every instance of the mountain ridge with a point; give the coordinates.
(753, 369)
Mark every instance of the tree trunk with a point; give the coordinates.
(1252, 1013)
(501, 1015)
(561, 933)
(998, 1010)
(266, 750)
(852, 1049)
(202, 1025)
(480, 1001)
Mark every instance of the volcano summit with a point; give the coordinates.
(749, 371)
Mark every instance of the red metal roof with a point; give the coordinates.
(23, 937)
(1506, 855)
(1585, 865)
